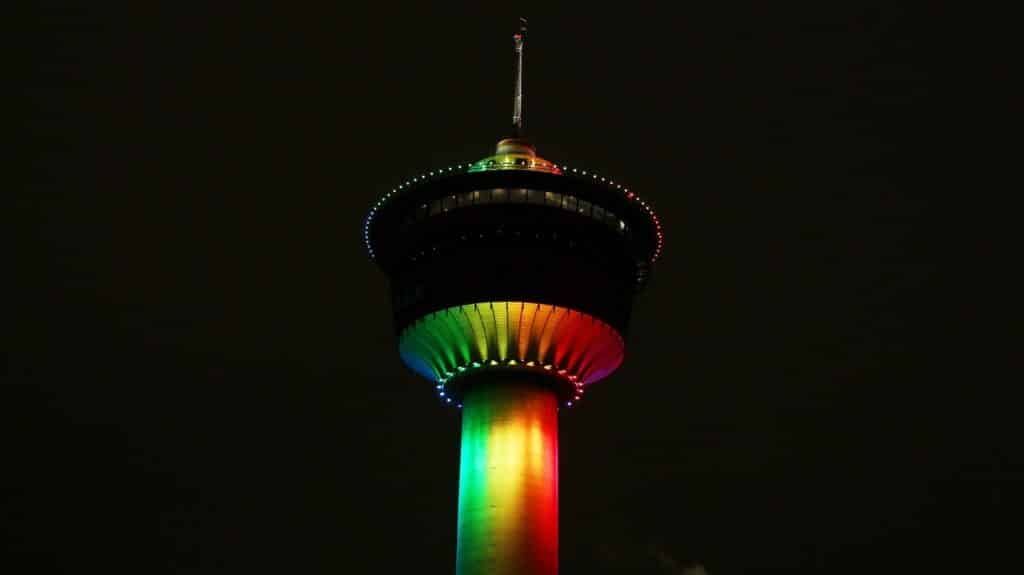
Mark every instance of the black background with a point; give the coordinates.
(211, 381)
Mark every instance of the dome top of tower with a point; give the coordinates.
(515, 154)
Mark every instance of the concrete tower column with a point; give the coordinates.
(508, 480)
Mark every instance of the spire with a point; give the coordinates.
(517, 111)
(516, 153)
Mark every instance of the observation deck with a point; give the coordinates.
(513, 260)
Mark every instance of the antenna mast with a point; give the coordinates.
(517, 111)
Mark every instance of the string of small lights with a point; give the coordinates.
(418, 181)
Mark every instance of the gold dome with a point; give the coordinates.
(515, 154)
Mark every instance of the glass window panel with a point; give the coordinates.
(552, 198)
(448, 203)
(435, 207)
(499, 195)
(570, 203)
(535, 196)
(484, 197)
(598, 212)
(584, 207)
(518, 195)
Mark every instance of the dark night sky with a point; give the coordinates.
(211, 380)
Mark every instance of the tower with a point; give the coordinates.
(512, 280)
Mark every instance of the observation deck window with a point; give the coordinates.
(518, 195)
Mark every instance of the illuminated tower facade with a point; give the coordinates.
(512, 280)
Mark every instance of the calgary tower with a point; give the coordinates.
(512, 279)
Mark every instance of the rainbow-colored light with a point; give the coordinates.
(508, 482)
(566, 342)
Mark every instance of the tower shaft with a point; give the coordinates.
(508, 481)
